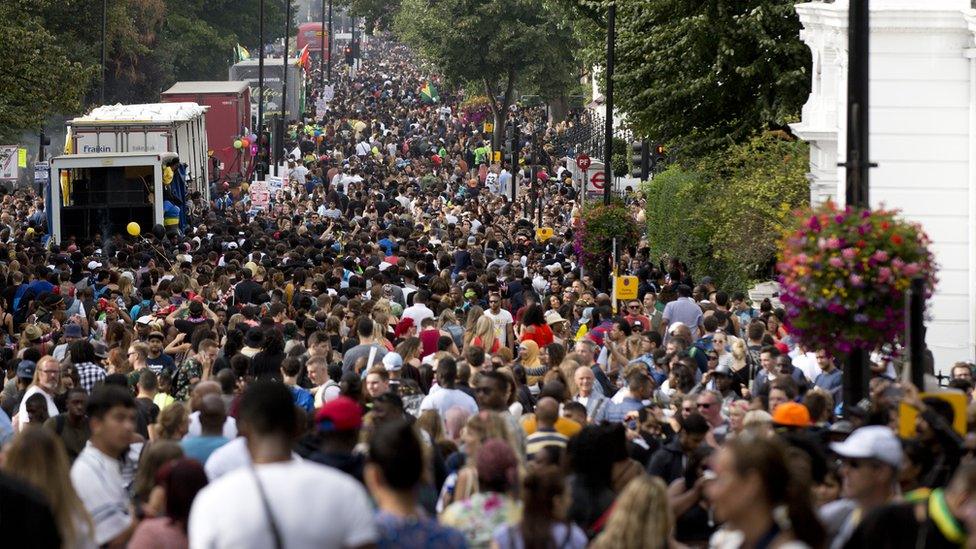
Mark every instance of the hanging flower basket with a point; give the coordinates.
(594, 235)
(845, 275)
(475, 110)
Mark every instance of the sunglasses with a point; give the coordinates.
(704, 405)
(712, 357)
(856, 463)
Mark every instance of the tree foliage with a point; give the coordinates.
(379, 14)
(38, 77)
(199, 35)
(704, 75)
(494, 46)
(724, 215)
(700, 75)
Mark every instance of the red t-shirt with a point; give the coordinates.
(542, 335)
(478, 343)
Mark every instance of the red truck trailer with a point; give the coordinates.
(228, 116)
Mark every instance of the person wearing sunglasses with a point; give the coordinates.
(870, 460)
(635, 314)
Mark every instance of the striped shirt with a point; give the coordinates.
(538, 440)
(98, 480)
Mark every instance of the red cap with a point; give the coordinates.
(341, 414)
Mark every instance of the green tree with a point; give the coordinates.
(489, 45)
(37, 76)
(134, 68)
(379, 14)
(704, 75)
(199, 35)
(723, 216)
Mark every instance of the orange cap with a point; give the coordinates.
(792, 414)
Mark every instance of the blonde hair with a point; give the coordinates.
(170, 421)
(641, 519)
(738, 354)
(568, 368)
(38, 457)
(431, 422)
(484, 328)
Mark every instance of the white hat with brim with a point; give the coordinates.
(553, 317)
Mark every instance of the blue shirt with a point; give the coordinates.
(303, 398)
(6, 429)
(162, 363)
(200, 448)
(831, 382)
(415, 533)
(615, 413)
(686, 311)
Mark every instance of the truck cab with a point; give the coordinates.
(93, 197)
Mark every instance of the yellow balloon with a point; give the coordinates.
(133, 228)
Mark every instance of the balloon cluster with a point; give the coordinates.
(245, 141)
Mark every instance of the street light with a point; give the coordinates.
(261, 136)
(608, 123)
(104, 47)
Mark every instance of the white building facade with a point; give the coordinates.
(922, 136)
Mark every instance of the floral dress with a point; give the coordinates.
(189, 370)
(478, 516)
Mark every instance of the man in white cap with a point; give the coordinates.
(871, 458)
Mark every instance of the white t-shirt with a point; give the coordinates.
(807, 363)
(442, 400)
(418, 313)
(98, 480)
(230, 457)
(195, 430)
(298, 173)
(227, 458)
(501, 321)
(229, 512)
(52, 408)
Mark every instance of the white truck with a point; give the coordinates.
(94, 196)
(178, 128)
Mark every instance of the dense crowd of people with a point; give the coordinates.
(388, 356)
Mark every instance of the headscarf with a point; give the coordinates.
(530, 354)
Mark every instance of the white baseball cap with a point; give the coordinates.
(392, 362)
(92, 265)
(871, 442)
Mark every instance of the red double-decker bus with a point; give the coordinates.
(314, 36)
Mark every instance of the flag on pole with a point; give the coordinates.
(429, 93)
(303, 58)
(241, 53)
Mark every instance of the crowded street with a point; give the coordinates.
(384, 326)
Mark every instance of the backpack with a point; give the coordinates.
(22, 304)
